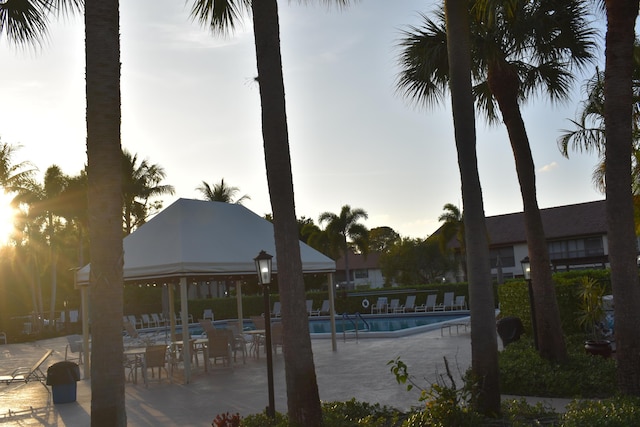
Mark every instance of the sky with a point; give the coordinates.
(191, 105)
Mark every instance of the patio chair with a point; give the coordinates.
(74, 345)
(155, 356)
(3, 337)
(219, 347)
(276, 337)
(189, 317)
(276, 309)
(393, 305)
(429, 305)
(380, 305)
(239, 340)
(409, 305)
(310, 309)
(34, 373)
(460, 303)
(207, 314)
(447, 303)
(326, 308)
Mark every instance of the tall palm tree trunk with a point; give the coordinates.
(504, 86)
(303, 399)
(484, 347)
(105, 211)
(621, 16)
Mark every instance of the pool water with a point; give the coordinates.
(368, 325)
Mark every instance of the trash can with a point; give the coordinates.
(62, 377)
(509, 329)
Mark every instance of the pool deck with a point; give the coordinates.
(358, 369)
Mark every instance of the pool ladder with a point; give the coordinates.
(354, 321)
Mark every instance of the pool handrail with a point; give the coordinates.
(357, 315)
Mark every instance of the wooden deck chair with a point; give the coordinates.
(34, 373)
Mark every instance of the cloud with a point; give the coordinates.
(548, 168)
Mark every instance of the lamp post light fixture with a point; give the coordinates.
(263, 268)
(526, 271)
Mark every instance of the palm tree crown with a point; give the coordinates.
(221, 193)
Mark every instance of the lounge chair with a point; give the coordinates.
(134, 321)
(3, 337)
(325, 310)
(276, 337)
(380, 305)
(447, 303)
(189, 317)
(74, 345)
(393, 305)
(147, 321)
(409, 305)
(460, 303)
(276, 309)
(429, 305)
(156, 318)
(28, 374)
(207, 314)
(310, 309)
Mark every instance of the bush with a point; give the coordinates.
(614, 412)
(523, 372)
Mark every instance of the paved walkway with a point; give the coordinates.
(356, 370)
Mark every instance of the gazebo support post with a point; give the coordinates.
(239, 304)
(332, 320)
(184, 308)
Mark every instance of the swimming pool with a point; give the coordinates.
(368, 325)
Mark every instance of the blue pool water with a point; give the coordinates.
(373, 326)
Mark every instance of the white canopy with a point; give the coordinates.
(193, 238)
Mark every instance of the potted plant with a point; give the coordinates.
(591, 316)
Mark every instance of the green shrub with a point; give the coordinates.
(614, 412)
(523, 372)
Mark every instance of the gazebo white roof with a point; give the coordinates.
(193, 238)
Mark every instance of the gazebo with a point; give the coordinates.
(193, 239)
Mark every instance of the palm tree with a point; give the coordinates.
(303, 400)
(13, 176)
(140, 182)
(343, 227)
(453, 227)
(518, 48)
(104, 172)
(484, 354)
(221, 193)
(618, 119)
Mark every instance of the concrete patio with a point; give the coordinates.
(358, 369)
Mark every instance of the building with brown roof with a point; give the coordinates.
(363, 270)
(576, 236)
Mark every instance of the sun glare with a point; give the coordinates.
(7, 216)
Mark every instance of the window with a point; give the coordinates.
(505, 254)
(576, 248)
(361, 274)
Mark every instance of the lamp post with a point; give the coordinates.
(526, 271)
(263, 267)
